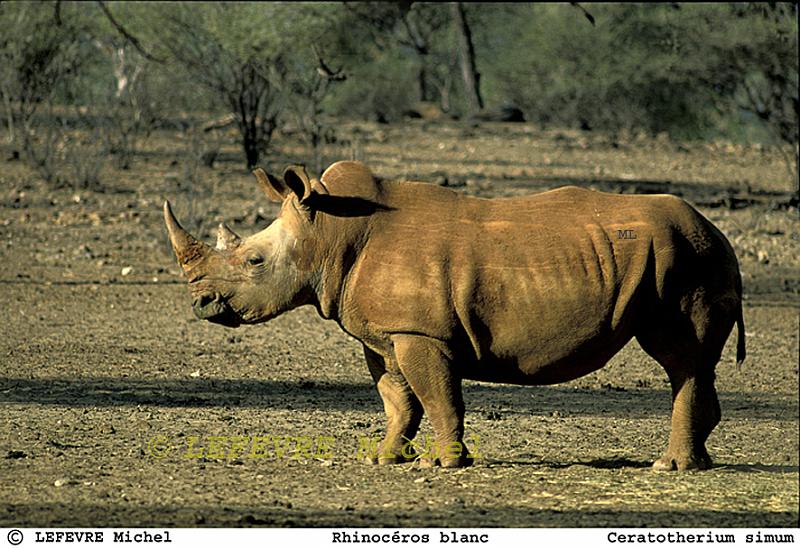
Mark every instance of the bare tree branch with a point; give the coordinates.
(324, 70)
(128, 36)
(586, 14)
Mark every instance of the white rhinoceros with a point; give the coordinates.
(440, 287)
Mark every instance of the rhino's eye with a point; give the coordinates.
(255, 260)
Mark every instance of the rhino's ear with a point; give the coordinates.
(298, 180)
(275, 189)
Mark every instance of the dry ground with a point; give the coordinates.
(111, 392)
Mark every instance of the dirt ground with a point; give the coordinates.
(119, 408)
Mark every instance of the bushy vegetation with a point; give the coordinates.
(114, 72)
(684, 69)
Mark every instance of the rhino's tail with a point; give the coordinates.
(741, 352)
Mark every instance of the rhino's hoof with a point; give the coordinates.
(393, 459)
(665, 464)
(458, 462)
(681, 464)
(387, 459)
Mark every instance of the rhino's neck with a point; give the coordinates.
(332, 281)
(347, 238)
(347, 226)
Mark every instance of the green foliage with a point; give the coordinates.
(251, 57)
(44, 49)
(404, 39)
(652, 67)
(41, 53)
(391, 90)
(690, 70)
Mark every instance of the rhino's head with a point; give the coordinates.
(253, 279)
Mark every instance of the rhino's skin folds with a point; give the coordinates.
(440, 287)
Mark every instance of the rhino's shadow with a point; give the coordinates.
(600, 464)
(495, 402)
(623, 462)
(345, 206)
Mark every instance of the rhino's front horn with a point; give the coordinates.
(226, 238)
(187, 248)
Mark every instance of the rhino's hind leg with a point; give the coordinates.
(688, 348)
(403, 411)
(695, 413)
(427, 366)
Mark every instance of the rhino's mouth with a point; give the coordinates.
(214, 308)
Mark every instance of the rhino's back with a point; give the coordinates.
(424, 208)
(564, 235)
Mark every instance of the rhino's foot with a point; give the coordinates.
(389, 459)
(457, 462)
(669, 463)
(394, 459)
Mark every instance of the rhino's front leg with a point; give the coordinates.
(427, 366)
(403, 410)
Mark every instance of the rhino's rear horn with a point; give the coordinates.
(188, 249)
(227, 239)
